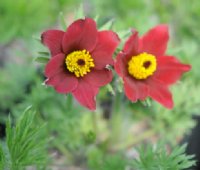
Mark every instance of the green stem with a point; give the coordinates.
(116, 119)
(117, 103)
(94, 122)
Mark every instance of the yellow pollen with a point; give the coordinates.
(79, 62)
(142, 66)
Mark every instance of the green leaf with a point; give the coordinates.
(157, 157)
(43, 53)
(62, 21)
(96, 18)
(2, 157)
(38, 38)
(146, 102)
(120, 85)
(99, 160)
(25, 142)
(90, 137)
(42, 60)
(123, 34)
(110, 89)
(108, 25)
(79, 14)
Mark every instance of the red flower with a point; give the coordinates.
(79, 59)
(145, 68)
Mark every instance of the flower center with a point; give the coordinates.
(79, 62)
(142, 65)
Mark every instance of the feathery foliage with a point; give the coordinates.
(25, 143)
(150, 158)
(157, 157)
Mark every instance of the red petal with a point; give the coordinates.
(53, 40)
(85, 94)
(120, 65)
(134, 89)
(160, 93)
(63, 82)
(99, 78)
(54, 80)
(55, 65)
(81, 34)
(170, 69)
(131, 45)
(155, 41)
(106, 45)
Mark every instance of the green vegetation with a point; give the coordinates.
(56, 130)
(25, 143)
(149, 158)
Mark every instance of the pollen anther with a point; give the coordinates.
(79, 62)
(142, 66)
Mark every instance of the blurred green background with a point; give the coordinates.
(21, 78)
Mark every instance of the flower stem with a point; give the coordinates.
(94, 122)
(116, 119)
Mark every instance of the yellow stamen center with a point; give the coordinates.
(79, 62)
(142, 66)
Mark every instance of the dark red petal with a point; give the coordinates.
(131, 45)
(120, 65)
(81, 34)
(99, 78)
(55, 65)
(106, 45)
(155, 41)
(53, 40)
(135, 89)
(63, 82)
(160, 93)
(85, 94)
(170, 69)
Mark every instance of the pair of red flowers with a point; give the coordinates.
(80, 55)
